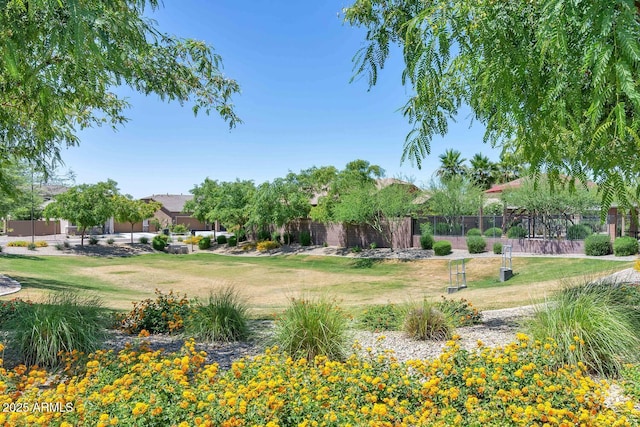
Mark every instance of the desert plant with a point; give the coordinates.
(59, 246)
(310, 328)
(110, 241)
(356, 249)
(305, 238)
(373, 245)
(222, 318)
(232, 241)
(426, 241)
(159, 242)
(41, 244)
(267, 245)
(144, 240)
(474, 232)
(166, 313)
(427, 322)
(31, 246)
(516, 232)
(578, 232)
(590, 324)
(63, 323)
(476, 244)
(442, 247)
(18, 243)
(382, 317)
(204, 243)
(221, 239)
(625, 246)
(497, 248)
(493, 232)
(93, 240)
(597, 245)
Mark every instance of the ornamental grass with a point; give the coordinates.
(509, 386)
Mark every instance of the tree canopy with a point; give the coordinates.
(556, 81)
(128, 209)
(61, 61)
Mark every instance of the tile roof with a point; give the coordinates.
(171, 202)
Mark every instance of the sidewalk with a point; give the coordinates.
(8, 285)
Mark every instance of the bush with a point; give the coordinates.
(476, 244)
(144, 240)
(59, 246)
(93, 240)
(493, 232)
(31, 246)
(426, 241)
(310, 328)
(41, 244)
(221, 239)
(356, 249)
(232, 241)
(305, 238)
(578, 232)
(625, 246)
(159, 242)
(275, 236)
(204, 243)
(18, 243)
(110, 241)
(180, 229)
(263, 235)
(597, 245)
(267, 245)
(459, 312)
(591, 324)
(164, 314)
(426, 322)
(222, 318)
(383, 317)
(497, 248)
(63, 323)
(442, 247)
(517, 232)
(474, 232)
(10, 309)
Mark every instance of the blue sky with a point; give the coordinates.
(293, 63)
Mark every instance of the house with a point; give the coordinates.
(172, 213)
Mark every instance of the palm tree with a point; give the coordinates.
(482, 171)
(451, 164)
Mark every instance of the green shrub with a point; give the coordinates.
(166, 313)
(427, 322)
(493, 232)
(222, 318)
(159, 242)
(382, 317)
(305, 238)
(625, 246)
(31, 246)
(578, 232)
(426, 241)
(631, 381)
(63, 323)
(267, 245)
(59, 246)
(110, 241)
(373, 245)
(459, 312)
(476, 244)
(442, 247)
(356, 249)
(275, 236)
(517, 232)
(18, 243)
(144, 240)
(232, 241)
(180, 229)
(221, 239)
(597, 245)
(10, 309)
(93, 240)
(474, 232)
(426, 228)
(204, 243)
(444, 229)
(592, 324)
(263, 235)
(497, 248)
(310, 328)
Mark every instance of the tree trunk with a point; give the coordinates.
(132, 233)
(82, 236)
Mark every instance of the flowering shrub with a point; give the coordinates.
(383, 317)
(164, 314)
(18, 243)
(267, 245)
(193, 240)
(459, 312)
(510, 386)
(9, 309)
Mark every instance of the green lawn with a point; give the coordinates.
(268, 282)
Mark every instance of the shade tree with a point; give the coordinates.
(132, 211)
